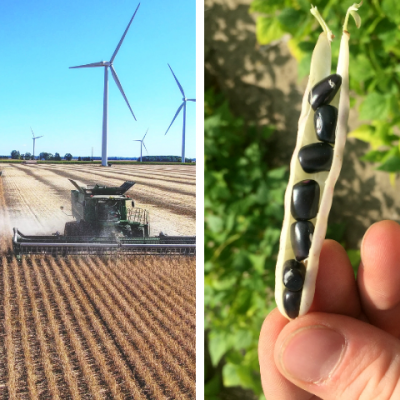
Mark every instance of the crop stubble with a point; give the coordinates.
(91, 327)
(39, 190)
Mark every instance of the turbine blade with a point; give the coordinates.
(180, 87)
(123, 36)
(145, 133)
(32, 133)
(191, 100)
(96, 64)
(38, 137)
(145, 148)
(118, 83)
(114, 74)
(179, 109)
(136, 140)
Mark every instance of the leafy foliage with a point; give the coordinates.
(164, 159)
(374, 61)
(243, 218)
(44, 155)
(15, 155)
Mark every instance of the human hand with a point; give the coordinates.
(348, 345)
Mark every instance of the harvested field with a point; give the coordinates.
(95, 327)
(34, 194)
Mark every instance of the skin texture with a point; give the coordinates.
(348, 345)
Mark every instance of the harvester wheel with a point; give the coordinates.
(71, 229)
(84, 229)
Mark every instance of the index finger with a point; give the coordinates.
(379, 276)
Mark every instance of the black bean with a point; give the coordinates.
(300, 237)
(305, 199)
(325, 119)
(324, 91)
(291, 303)
(316, 157)
(294, 274)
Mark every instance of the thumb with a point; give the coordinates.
(339, 358)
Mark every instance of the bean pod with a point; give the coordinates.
(314, 170)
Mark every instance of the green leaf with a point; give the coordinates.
(336, 231)
(375, 106)
(354, 257)
(374, 156)
(277, 173)
(265, 7)
(242, 339)
(306, 47)
(366, 134)
(243, 375)
(231, 375)
(378, 134)
(361, 68)
(392, 164)
(258, 261)
(290, 18)
(212, 388)
(268, 30)
(219, 343)
(304, 66)
(392, 9)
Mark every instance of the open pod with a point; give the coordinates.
(314, 170)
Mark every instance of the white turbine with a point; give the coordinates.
(184, 114)
(34, 140)
(142, 144)
(106, 65)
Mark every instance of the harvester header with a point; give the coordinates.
(103, 190)
(106, 222)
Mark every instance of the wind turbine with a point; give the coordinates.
(106, 65)
(142, 144)
(183, 105)
(34, 139)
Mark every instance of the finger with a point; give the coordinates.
(379, 276)
(337, 357)
(336, 288)
(275, 385)
(336, 292)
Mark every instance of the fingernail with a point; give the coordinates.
(312, 354)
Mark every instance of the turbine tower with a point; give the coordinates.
(142, 144)
(34, 140)
(107, 65)
(183, 105)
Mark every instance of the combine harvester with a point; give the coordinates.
(107, 222)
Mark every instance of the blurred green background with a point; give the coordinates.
(257, 57)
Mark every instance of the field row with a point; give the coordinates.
(34, 194)
(89, 327)
(77, 328)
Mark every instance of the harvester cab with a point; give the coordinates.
(106, 222)
(106, 211)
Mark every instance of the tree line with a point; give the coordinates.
(16, 155)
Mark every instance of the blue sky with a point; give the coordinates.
(41, 39)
